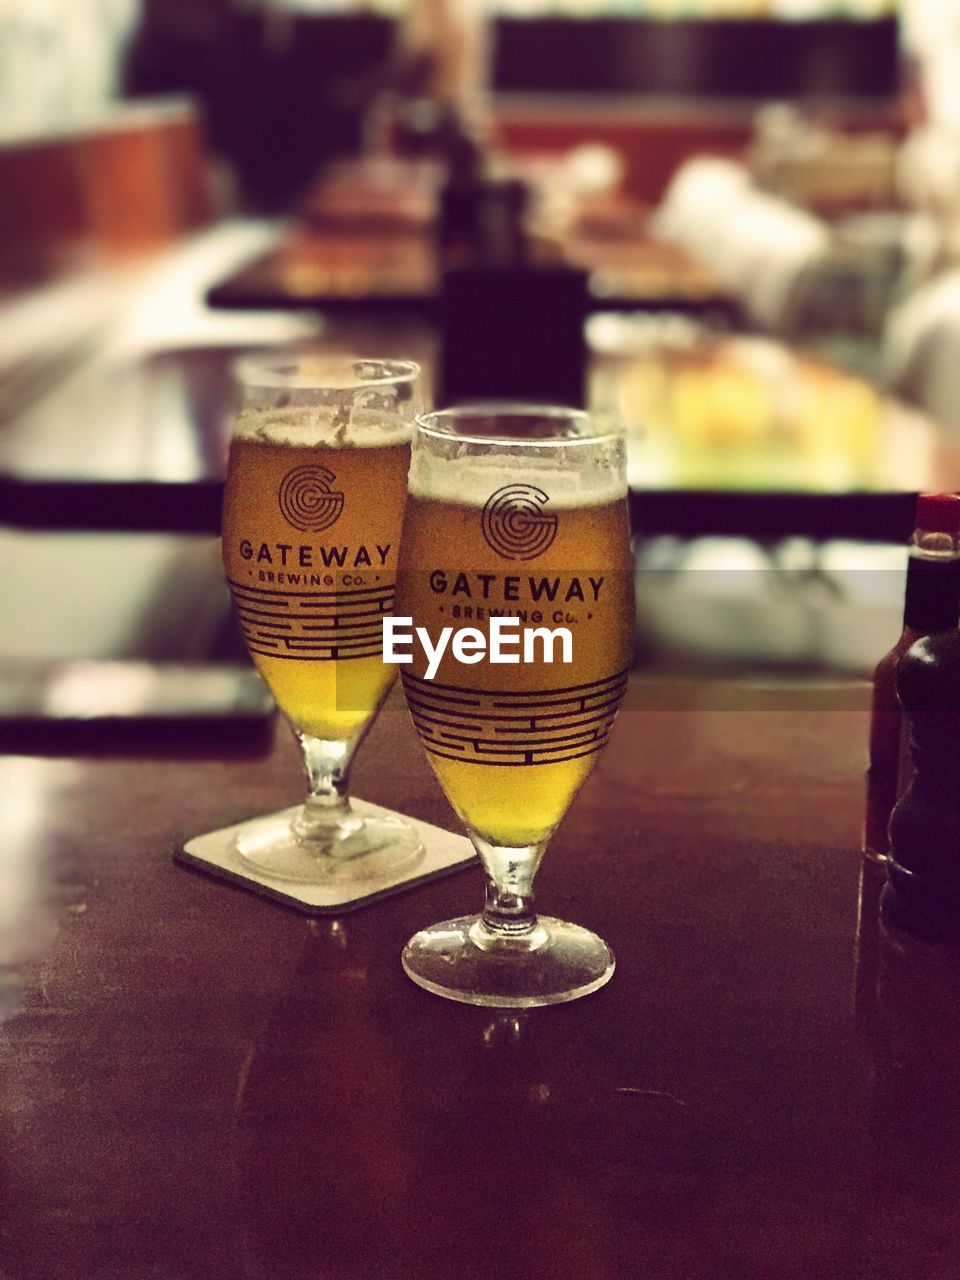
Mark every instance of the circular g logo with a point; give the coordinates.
(514, 525)
(307, 501)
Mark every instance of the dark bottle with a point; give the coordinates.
(923, 864)
(459, 201)
(932, 604)
(482, 219)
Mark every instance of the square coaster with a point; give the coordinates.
(215, 854)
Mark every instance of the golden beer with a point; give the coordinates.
(519, 512)
(313, 505)
(512, 743)
(310, 540)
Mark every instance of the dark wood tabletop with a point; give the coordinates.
(199, 1083)
(364, 237)
(345, 272)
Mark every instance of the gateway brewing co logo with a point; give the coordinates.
(514, 524)
(306, 500)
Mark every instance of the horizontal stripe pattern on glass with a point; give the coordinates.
(511, 727)
(314, 626)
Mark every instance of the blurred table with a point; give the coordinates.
(198, 1083)
(344, 272)
(364, 240)
(863, 497)
(142, 446)
(125, 425)
(749, 436)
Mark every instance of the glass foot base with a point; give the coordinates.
(564, 963)
(370, 848)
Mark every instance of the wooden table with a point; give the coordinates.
(364, 241)
(346, 273)
(198, 1083)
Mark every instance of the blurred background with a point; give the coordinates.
(733, 225)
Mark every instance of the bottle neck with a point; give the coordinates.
(932, 601)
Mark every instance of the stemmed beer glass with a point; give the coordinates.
(314, 500)
(515, 511)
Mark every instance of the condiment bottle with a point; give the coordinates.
(932, 604)
(923, 864)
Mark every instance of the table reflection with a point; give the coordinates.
(907, 1000)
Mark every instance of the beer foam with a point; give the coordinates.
(318, 426)
(579, 478)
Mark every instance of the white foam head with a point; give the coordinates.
(318, 399)
(322, 425)
(469, 482)
(558, 451)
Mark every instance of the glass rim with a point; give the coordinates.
(280, 369)
(517, 409)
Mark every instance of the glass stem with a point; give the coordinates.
(508, 911)
(327, 806)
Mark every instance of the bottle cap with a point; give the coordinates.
(938, 512)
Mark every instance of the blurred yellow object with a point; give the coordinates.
(837, 427)
(748, 413)
(720, 406)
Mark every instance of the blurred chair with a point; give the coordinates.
(129, 184)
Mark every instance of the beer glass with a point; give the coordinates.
(314, 498)
(515, 512)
